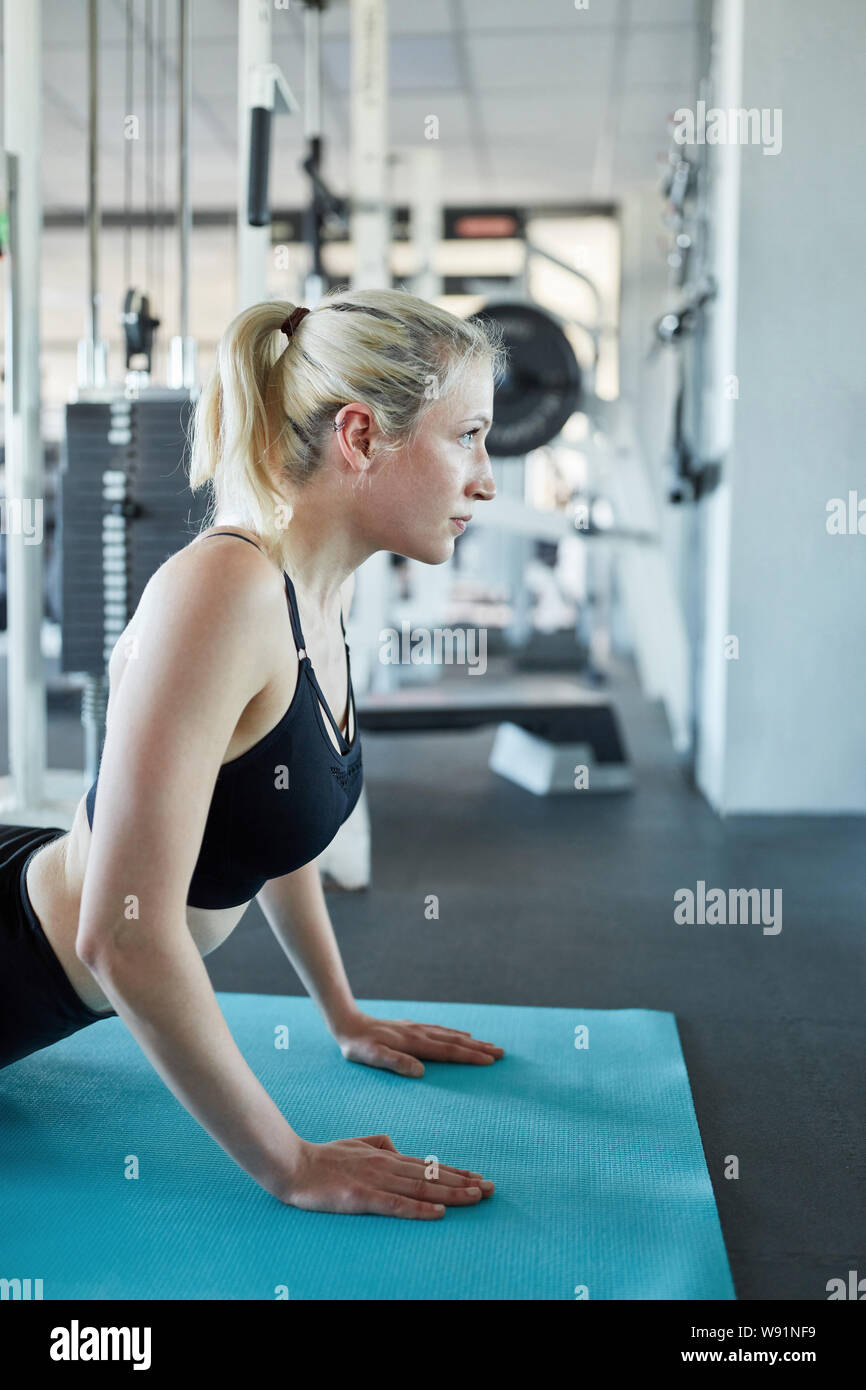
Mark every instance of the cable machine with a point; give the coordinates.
(124, 502)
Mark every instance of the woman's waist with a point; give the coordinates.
(54, 885)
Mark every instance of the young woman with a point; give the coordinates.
(231, 753)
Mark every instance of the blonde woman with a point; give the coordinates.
(231, 753)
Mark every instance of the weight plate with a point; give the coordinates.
(541, 386)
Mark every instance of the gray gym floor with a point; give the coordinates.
(568, 901)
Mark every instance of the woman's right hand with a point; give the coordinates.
(372, 1175)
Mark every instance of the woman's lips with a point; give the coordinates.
(461, 525)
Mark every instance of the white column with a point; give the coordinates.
(370, 230)
(425, 217)
(24, 491)
(718, 406)
(253, 243)
(371, 216)
(429, 583)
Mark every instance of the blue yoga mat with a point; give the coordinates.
(602, 1190)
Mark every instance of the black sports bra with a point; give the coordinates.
(277, 806)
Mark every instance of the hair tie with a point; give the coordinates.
(289, 325)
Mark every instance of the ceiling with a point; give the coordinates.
(537, 102)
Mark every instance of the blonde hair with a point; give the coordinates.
(267, 409)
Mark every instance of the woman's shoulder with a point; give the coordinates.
(221, 562)
(222, 584)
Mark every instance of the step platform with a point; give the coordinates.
(553, 736)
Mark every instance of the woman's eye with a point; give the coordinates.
(470, 433)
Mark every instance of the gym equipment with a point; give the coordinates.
(541, 387)
(694, 473)
(326, 209)
(691, 479)
(124, 507)
(138, 327)
(268, 93)
(539, 741)
(124, 501)
(701, 219)
(602, 1190)
(545, 765)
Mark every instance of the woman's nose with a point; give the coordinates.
(486, 488)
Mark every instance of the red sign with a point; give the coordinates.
(486, 225)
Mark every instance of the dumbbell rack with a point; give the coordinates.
(124, 506)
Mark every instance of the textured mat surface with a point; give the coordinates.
(601, 1183)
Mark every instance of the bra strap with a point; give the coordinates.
(302, 647)
(325, 709)
(290, 591)
(216, 535)
(295, 616)
(352, 720)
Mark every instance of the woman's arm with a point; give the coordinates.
(295, 909)
(200, 660)
(297, 914)
(158, 984)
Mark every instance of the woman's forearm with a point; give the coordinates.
(161, 990)
(297, 913)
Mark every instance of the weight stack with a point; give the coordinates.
(124, 506)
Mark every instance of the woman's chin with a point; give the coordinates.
(427, 551)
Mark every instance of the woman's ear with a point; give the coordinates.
(353, 431)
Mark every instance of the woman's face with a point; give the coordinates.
(409, 500)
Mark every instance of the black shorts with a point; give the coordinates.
(38, 1005)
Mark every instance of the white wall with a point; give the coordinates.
(792, 733)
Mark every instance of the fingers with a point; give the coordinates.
(394, 1204)
(424, 1191)
(443, 1167)
(411, 1166)
(394, 1184)
(370, 1053)
(447, 1168)
(416, 1171)
(457, 1032)
(379, 1141)
(438, 1050)
(392, 1060)
(437, 1034)
(493, 1048)
(449, 1032)
(436, 1045)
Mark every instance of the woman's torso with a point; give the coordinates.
(55, 876)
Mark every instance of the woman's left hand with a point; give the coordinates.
(399, 1044)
